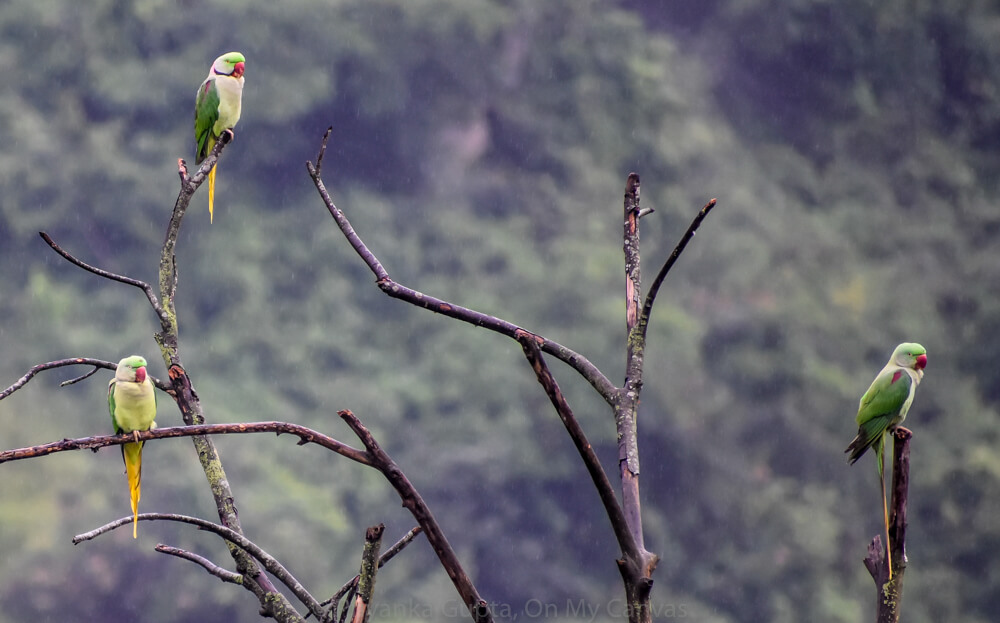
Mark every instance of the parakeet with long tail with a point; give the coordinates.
(132, 402)
(883, 408)
(217, 109)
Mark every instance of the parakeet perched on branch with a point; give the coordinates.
(217, 109)
(132, 402)
(884, 407)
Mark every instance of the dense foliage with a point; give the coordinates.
(480, 148)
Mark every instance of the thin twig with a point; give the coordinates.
(413, 502)
(399, 545)
(74, 361)
(578, 362)
(305, 435)
(223, 574)
(82, 377)
(322, 151)
(269, 562)
(142, 285)
(647, 307)
(384, 558)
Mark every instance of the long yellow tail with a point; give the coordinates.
(211, 193)
(880, 455)
(132, 453)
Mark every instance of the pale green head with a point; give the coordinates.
(131, 369)
(910, 355)
(229, 64)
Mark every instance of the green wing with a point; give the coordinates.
(111, 405)
(885, 397)
(206, 113)
(879, 409)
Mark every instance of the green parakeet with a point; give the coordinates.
(217, 109)
(132, 403)
(884, 407)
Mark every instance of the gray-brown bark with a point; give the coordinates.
(636, 564)
(889, 593)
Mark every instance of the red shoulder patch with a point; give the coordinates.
(895, 377)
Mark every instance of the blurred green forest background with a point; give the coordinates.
(480, 147)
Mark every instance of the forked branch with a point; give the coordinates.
(637, 563)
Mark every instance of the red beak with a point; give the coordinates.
(140, 374)
(921, 362)
(238, 69)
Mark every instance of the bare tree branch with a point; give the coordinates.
(223, 574)
(305, 435)
(75, 361)
(142, 285)
(637, 563)
(413, 502)
(398, 291)
(269, 562)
